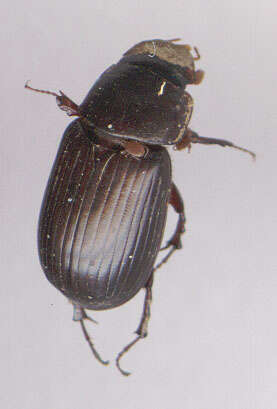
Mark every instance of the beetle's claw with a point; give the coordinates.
(125, 373)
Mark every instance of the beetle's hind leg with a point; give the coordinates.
(79, 314)
(175, 243)
(143, 325)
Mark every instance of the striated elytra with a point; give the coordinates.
(104, 210)
(102, 220)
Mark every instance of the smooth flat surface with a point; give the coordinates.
(213, 332)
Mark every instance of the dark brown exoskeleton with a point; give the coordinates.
(104, 210)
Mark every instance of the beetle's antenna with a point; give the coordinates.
(198, 56)
(174, 40)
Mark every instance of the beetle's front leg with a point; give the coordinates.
(143, 325)
(63, 101)
(194, 77)
(190, 137)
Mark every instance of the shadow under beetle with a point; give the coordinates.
(104, 209)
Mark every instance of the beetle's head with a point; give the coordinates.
(167, 50)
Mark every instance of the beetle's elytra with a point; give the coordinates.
(104, 210)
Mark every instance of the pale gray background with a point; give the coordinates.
(213, 333)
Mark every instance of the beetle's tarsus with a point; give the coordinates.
(192, 137)
(79, 314)
(143, 325)
(142, 329)
(165, 259)
(245, 150)
(87, 337)
(221, 142)
(63, 102)
(42, 91)
(124, 350)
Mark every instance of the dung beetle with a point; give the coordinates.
(104, 210)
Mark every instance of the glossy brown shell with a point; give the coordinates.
(140, 98)
(102, 220)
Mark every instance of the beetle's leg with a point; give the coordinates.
(194, 77)
(177, 203)
(79, 314)
(198, 56)
(63, 102)
(174, 242)
(142, 330)
(190, 137)
(198, 77)
(199, 74)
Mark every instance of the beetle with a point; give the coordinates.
(104, 210)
